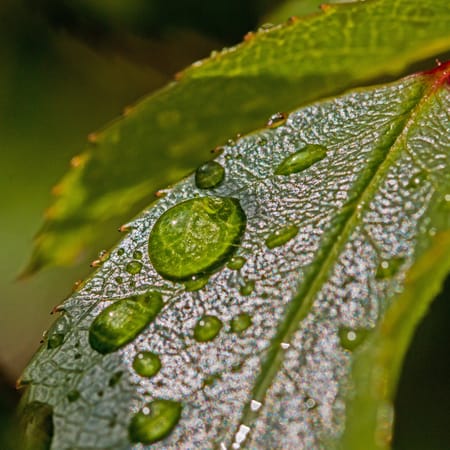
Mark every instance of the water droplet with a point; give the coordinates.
(301, 160)
(196, 237)
(255, 405)
(389, 267)
(240, 323)
(276, 120)
(115, 378)
(120, 251)
(281, 236)
(207, 328)
(155, 421)
(310, 403)
(36, 426)
(55, 341)
(236, 262)
(262, 141)
(121, 322)
(417, 180)
(119, 280)
(209, 175)
(247, 287)
(133, 267)
(196, 283)
(211, 379)
(146, 364)
(73, 396)
(351, 338)
(137, 254)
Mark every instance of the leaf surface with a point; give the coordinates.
(168, 134)
(281, 352)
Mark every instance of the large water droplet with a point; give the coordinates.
(146, 364)
(121, 322)
(236, 262)
(240, 323)
(351, 338)
(36, 426)
(281, 236)
(207, 328)
(302, 159)
(196, 237)
(389, 267)
(209, 175)
(155, 421)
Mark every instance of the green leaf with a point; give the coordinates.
(281, 350)
(169, 133)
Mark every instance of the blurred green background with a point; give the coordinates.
(66, 69)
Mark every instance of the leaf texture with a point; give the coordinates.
(368, 215)
(279, 69)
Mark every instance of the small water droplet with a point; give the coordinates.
(417, 180)
(285, 345)
(262, 141)
(115, 378)
(236, 262)
(196, 237)
(301, 159)
(137, 254)
(240, 436)
(120, 323)
(351, 338)
(240, 323)
(55, 341)
(281, 236)
(211, 379)
(207, 328)
(36, 426)
(196, 283)
(120, 251)
(389, 267)
(247, 287)
(73, 396)
(310, 403)
(209, 175)
(133, 267)
(255, 405)
(146, 364)
(276, 120)
(119, 280)
(155, 421)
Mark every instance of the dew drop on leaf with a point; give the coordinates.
(196, 237)
(247, 287)
(55, 341)
(236, 262)
(301, 159)
(36, 426)
(146, 364)
(281, 236)
(73, 396)
(389, 267)
(351, 338)
(137, 254)
(133, 267)
(209, 175)
(155, 421)
(240, 322)
(121, 322)
(207, 328)
(196, 283)
(276, 120)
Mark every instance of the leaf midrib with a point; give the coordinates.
(302, 302)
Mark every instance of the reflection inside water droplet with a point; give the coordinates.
(302, 159)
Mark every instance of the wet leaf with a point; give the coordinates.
(168, 134)
(299, 345)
